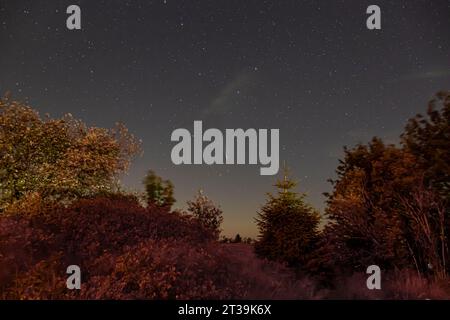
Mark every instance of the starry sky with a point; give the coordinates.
(309, 68)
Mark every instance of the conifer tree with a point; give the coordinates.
(237, 238)
(209, 215)
(288, 226)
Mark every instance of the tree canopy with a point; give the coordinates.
(428, 139)
(390, 203)
(61, 159)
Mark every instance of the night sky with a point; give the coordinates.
(309, 68)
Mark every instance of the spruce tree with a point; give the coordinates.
(288, 226)
(207, 213)
(237, 239)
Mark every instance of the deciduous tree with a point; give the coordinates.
(61, 159)
(159, 192)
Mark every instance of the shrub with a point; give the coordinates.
(126, 251)
(86, 233)
(396, 285)
(22, 245)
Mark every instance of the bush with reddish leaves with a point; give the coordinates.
(126, 251)
(92, 227)
(82, 234)
(165, 269)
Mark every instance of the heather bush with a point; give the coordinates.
(43, 281)
(21, 246)
(165, 269)
(265, 279)
(83, 233)
(127, 251)
(396, 285)
(409, 285)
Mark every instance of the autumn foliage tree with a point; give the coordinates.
(428, 139)
(427, 231)
(364, 210)
(58, 159)
(288, 226)
(389, 204)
